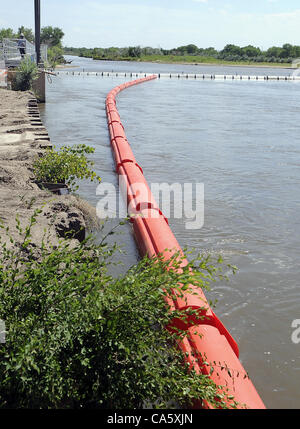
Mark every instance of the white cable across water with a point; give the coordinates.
(194, 76)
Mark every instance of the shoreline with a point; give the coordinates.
(209, 64)
(222, 64)
(23, 137)
(238, 65)
(65, 66)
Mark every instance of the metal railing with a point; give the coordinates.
(11, 50)
(2, 62)
(44, 53)
(11, 55)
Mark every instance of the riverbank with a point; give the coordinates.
(22, 138)
(64, 66)
(195, 61)
(199, 61)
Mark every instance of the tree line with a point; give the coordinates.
(285, 54)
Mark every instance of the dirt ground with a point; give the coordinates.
(22, 138)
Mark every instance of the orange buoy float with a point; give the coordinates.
(208, 348)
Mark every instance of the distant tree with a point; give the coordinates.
(28, 33)
(98, 53)
(251, 51)
(297, 51)
(151, 51)
(135, 51)
(192, 49)
(51, 36)
(124, 52)
(7, 33)
(112, 52)
(56, 56)
(210, 52)
(187, 49)
(231, 50)
(289, 51)
(275, 51)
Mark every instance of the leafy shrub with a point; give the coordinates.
(55, 56)
(26, 73)
(79, 338)
(65, 165)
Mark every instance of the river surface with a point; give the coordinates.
(242, 141)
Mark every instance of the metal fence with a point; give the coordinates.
(44, 53)
(2, 62)
(10, 52)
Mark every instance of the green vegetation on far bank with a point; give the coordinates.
(196, 60)
(188, 59)
(191, 54)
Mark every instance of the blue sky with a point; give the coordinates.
(163, 23)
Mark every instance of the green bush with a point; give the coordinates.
(55, 56)
(26, 73)
(79, 338)
(65, 165)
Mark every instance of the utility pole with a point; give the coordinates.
(37, 16)
(39, 85)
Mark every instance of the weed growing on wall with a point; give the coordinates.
(26, 73)
(66, 165)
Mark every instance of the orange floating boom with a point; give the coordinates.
(209, 348)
